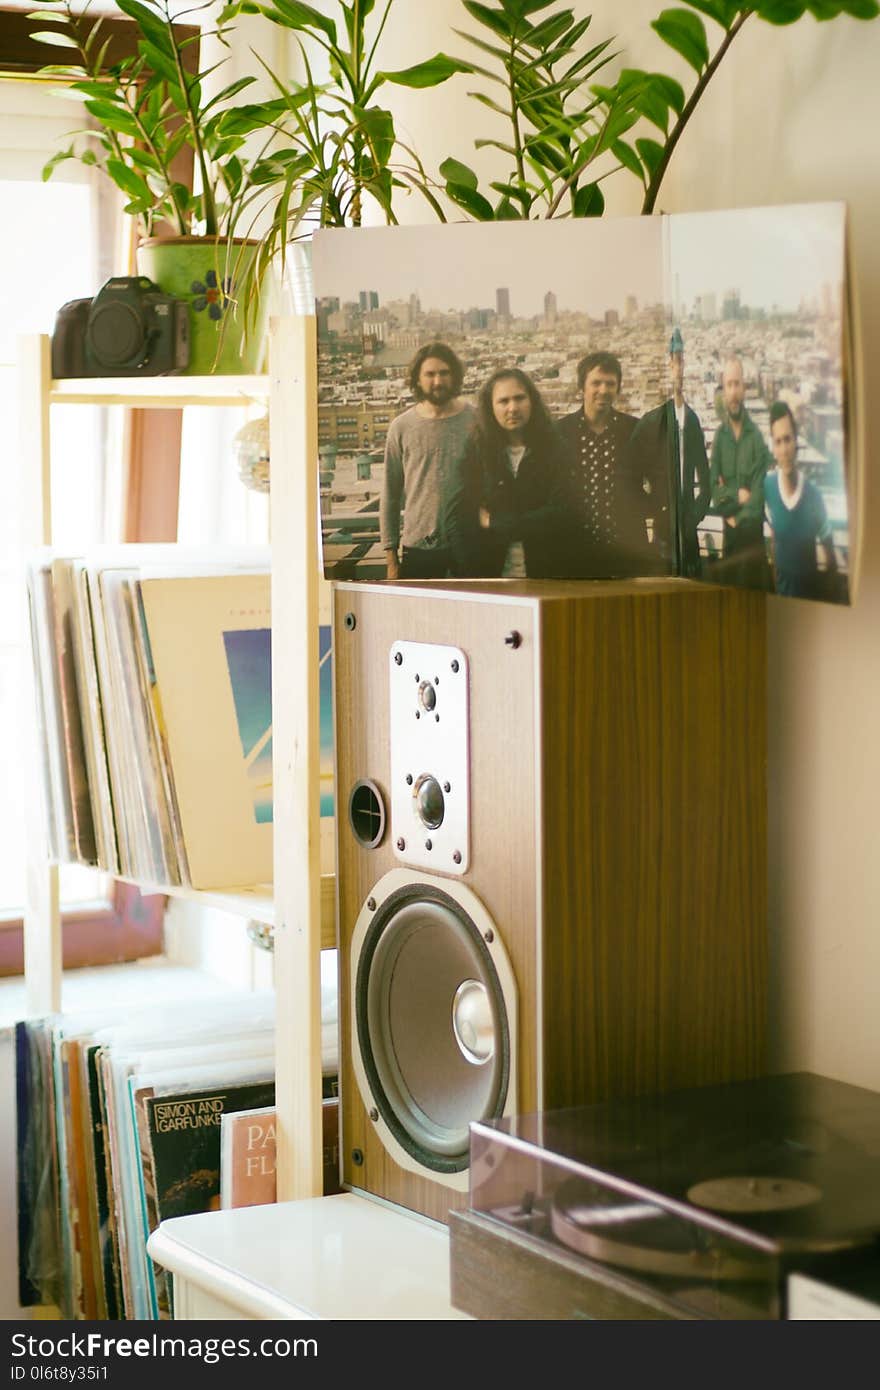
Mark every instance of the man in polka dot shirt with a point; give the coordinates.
(608, 537)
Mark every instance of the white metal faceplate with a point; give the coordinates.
(430, 769)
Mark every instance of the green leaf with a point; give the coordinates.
(241, 120)
(545, 34)
(131, 183)
(294, 15)
(56, 40)
(232, 174)
(649, 93)
(521, 8)
(505, 211)
(861, 9)
(495, 145)
(453, 171)
(102, 91)
(495, 20)
(627, 156)
(487, 101)
(652, 106)
(428, 74)
(686, 33)
(472, 201)
(589, 201)
(180, 194)
(378, 125)
(598, 56)
(651, 153)
(545, 180)
(547, 155)
(512, 190)
(60, 70)
(354, 16)
(150, 24)
(722, 11)
(58, 158)
(228, 93)
(781, 11)
(144, 160)
(671, 91)
(161, 63)
(113, 117)
(501, 54)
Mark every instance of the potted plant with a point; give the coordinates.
(263, 172)
(353, 154)
(152, 111)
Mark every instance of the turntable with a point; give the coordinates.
(695, 1204)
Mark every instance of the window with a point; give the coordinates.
(67, 250)
(76, 240)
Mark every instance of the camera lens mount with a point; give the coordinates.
(116, 334)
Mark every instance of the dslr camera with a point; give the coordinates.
(130, 328)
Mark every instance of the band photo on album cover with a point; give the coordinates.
(588, 399)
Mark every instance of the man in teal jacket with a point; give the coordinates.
(739, 463)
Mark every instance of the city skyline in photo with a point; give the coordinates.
(779, 260)
(590, 267)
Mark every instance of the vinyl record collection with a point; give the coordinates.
(119, 1116)
(153, 693)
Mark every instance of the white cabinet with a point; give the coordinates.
(315, 1259)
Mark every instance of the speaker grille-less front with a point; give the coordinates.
(432, 1025)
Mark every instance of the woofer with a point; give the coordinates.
(433, 1018)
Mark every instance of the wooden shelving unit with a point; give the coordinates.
(301, 907)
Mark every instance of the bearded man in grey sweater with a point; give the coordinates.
(423, 449)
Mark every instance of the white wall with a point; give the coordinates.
(791, 116)
(792, 119)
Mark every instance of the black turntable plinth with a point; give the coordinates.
(699, 1203)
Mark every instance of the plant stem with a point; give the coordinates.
(572, 178)
(130, 99)
(208, 205)
(653, 188)
(514, 113)
(358, 20)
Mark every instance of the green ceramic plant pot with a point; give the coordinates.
(227, 326)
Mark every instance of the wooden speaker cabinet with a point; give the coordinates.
(551, 857)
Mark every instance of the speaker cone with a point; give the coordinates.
(432, 1026)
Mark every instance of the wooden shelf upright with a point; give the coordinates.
(303, 905)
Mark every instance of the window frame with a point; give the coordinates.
(128, 926)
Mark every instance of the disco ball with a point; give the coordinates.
(251, 447)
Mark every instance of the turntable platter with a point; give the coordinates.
(643, 1238)
(746, 1194)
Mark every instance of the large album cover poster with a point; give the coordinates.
(588, 399)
